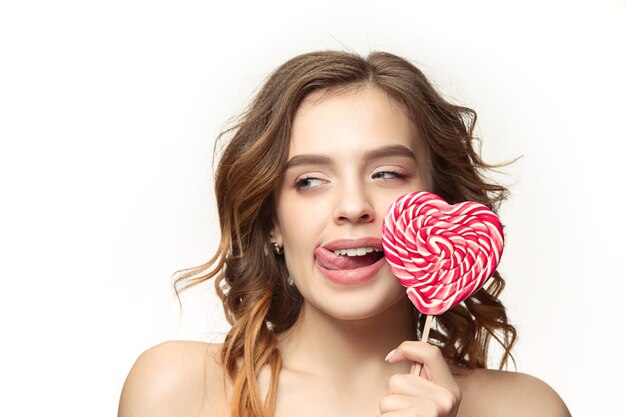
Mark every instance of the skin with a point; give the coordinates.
(334, 356)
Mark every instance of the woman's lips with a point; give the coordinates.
(340, 268)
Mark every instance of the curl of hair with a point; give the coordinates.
(252, 284)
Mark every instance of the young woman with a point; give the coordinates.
(320, 326)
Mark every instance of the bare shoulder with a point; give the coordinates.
(493, 393)
(171, 379)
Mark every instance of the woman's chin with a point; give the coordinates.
(354, 307)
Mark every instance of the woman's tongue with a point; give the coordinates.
(329, 260)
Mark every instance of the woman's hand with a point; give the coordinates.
(432, 393)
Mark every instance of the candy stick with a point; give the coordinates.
(417, 367)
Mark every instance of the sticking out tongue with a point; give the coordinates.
(329, 260)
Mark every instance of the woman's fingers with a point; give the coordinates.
(393, 402)
(408, 384)
(411, 395)
(434, 364)
(436, 404)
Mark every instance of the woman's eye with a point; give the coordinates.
(308, 183)
(388, 175)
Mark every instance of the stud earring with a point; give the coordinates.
(278, 250)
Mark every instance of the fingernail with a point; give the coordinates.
(390, 355)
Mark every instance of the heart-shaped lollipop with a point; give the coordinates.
(442, 253)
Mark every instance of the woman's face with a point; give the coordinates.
(351, 155)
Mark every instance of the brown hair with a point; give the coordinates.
(257, 300)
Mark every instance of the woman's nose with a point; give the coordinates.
(353, 206)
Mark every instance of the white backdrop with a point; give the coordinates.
(108, 113)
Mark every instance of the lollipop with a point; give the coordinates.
(442, 253)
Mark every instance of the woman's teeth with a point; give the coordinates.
(356, 251)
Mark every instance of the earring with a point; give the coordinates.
(290, 281)
(278, 250)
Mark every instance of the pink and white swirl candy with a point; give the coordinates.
(442, 253)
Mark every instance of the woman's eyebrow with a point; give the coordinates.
(309, 159)
(387, 151)
(382, 152)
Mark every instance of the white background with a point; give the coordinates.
(108, 113)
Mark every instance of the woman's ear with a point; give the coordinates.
(276, 234)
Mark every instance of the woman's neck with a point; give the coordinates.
(343, 350)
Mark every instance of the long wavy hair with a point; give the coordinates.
(252, 283)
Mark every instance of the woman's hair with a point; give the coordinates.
(252, 282)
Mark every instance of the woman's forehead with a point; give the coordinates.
(355, 120)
